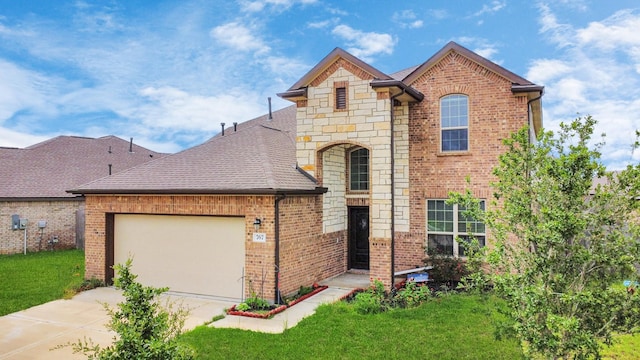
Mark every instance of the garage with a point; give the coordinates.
(192, 254)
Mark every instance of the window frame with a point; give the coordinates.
(341, 95)
(456, 232)
(455, 127)
(350, 161)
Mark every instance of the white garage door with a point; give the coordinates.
(192, 254)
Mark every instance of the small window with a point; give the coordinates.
(446, 224)
(359, 170)
(454, 123)
(341, 98)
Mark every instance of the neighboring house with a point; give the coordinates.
(35, 180)
(353, 177)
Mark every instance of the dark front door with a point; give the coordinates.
(359, 238)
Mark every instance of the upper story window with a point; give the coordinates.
(446, 224)
(454, 123)
(359, 170)
(340, 92)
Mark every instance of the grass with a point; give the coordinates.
(625, 348)
(453, 327)
(36, 278)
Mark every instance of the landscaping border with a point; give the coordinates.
(279, 309)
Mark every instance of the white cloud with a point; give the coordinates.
(365, 45)
(620, 31)
(480, 46)
(438, 14)
(161, 79)
(407, 19)
(11, 138)
(319, 24)
(596, 73)
(561, 34)
(172, 109)
(491, 8)
(277, 5)
(239, 37)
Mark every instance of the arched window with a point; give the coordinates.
(454, 123)
(359, 170)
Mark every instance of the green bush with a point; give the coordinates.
(411, 295)
(145, 329)
(257, 303)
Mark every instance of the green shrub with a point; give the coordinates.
(368, 303)
(145, 329)
(412, 295)
(256, 303)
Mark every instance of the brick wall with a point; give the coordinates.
(59, 215)
(494, 113)
(306, 256)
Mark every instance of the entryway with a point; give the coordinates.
(359, 237)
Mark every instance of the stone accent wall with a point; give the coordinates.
(59, 215)
(367, 123)
(306, 256)
(401, 169)
(494, 113)
(334, 207)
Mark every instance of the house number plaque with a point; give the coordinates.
(259, 237)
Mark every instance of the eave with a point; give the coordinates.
(406, 93)
(315, 191)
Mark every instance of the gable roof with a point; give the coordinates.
(379, 79)
(519, 83)
(258, 158)
(47, 169)
(330, 59)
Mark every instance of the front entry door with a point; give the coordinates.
(359, 238)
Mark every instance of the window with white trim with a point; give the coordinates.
(446, 223)
(454, 123)
(359, 170)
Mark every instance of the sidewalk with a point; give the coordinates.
(286, 319)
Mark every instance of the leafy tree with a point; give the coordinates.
(145, 329)
(561, 247)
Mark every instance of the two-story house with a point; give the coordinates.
(352, 177)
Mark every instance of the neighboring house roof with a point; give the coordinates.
(258, 158)
(47, 169)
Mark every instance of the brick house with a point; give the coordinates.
(34, 184)
(352, 177)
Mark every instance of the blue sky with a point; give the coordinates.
(167, 73)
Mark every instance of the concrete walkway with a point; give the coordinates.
(31, 333)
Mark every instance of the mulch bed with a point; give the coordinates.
(279, 309)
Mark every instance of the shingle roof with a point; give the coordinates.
(257, 158)
(49, 168)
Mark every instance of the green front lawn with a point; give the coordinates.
(453, 327)
(36, 278)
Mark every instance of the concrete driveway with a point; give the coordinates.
(31, 333)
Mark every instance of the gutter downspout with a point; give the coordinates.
(278, 298)
(529, 120)
(393, 191)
